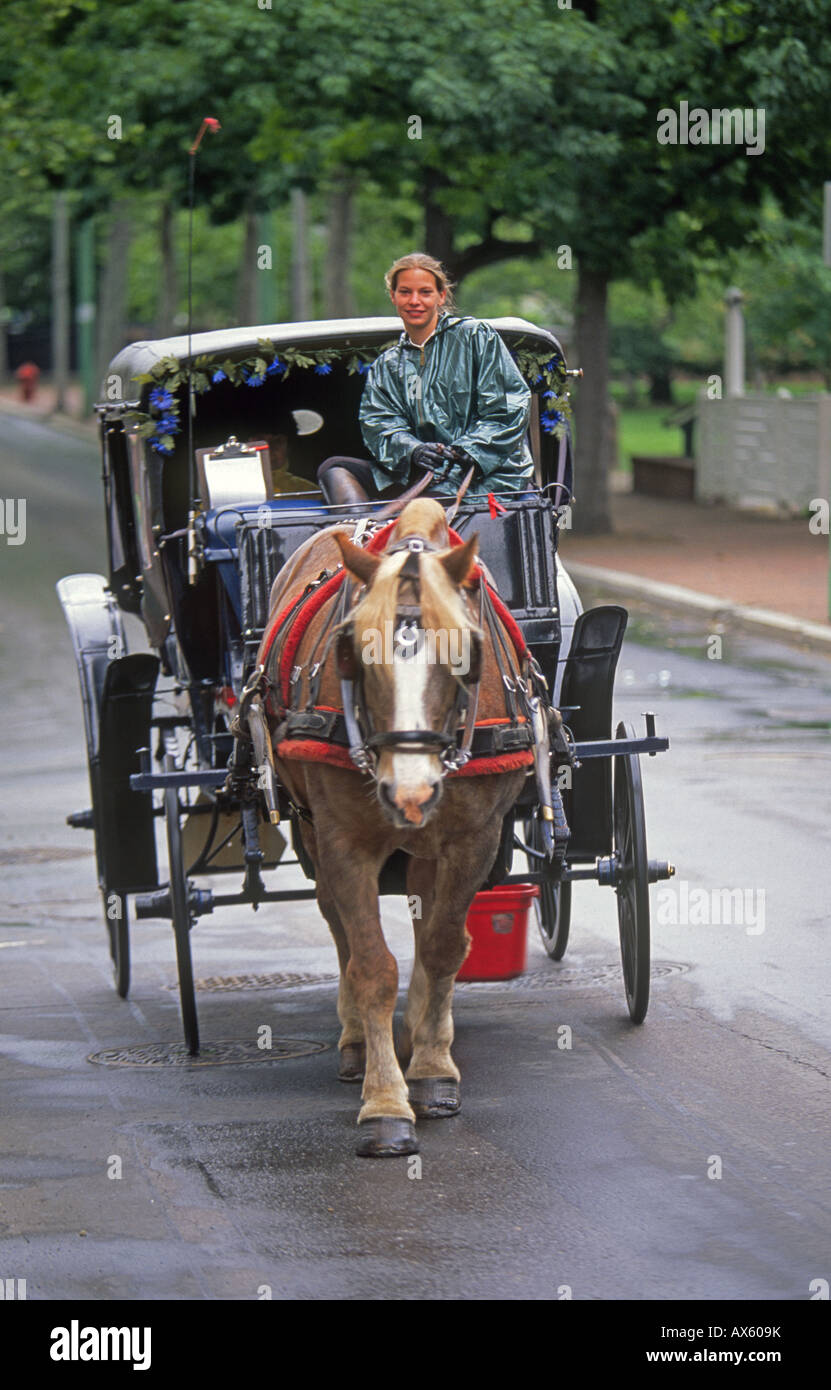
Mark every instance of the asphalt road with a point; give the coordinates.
(687, 1158)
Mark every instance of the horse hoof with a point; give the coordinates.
(386, 1136)
(352, 1062)
(434, 1097)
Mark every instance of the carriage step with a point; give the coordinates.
(81, 820)
(159, 904)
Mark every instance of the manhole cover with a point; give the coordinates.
(218, 1054)
(286, 979)
(40, 854)
(577, 977)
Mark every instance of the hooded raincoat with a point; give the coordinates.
(460, 387)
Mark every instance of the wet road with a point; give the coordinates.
(684, 1159)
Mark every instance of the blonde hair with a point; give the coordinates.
(419, 260)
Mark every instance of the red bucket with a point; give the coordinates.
(498, 923)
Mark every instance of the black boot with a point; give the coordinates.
(341, 488)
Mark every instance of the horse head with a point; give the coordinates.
(413, 648)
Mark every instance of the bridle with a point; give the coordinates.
(365, 742)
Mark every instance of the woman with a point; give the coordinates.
(446, 397)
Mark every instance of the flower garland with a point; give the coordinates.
(161, 422)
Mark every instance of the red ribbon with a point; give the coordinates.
(495, 507)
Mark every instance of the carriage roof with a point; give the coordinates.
(358, 333)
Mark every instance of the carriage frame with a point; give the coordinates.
(159, 722)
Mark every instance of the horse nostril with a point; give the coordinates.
(386, 795)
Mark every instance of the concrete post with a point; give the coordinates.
(734, 343)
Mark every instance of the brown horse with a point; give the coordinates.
(448, 822)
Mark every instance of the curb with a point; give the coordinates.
(723, 610)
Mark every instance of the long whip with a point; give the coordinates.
(208, 123)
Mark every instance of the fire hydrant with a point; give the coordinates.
(27, 375)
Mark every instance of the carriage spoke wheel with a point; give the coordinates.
(118, 926)
(632, 878)
(553, 906)
(180, 905)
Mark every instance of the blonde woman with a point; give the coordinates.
(446, 397)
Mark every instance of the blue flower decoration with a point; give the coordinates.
(323, 369)
(159, 447)
(538, 379)
(549, 420)
(546, 395)
(160, 398)
(276, 369)
(219, 376)
(255, 380)
(168, 424)
(553, 365)
(363, 368)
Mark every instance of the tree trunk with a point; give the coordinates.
(247, 305)
(438, 225)
(660, 386)
(339, 302)
(301, 297)
(595, 447)
(168, 285)
(60, 299)
(112, 308)
(4, 334)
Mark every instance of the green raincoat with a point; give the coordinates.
(461, 387)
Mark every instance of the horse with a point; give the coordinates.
(395, 781)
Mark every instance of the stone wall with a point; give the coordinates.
(759, 450)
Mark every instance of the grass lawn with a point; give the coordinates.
(641, 431)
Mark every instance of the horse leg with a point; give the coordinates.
(421, 877)
(351, 1047)
(442, 944)
(351, 887)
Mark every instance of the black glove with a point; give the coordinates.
(461, 458)
(436, 457)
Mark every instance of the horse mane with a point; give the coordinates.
(442, 606)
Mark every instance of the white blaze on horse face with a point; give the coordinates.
(415, 775)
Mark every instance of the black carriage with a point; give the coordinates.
(210, 448)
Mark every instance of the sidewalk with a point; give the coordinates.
(744, 563)
(42, 408)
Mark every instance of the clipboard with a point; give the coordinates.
(234, 472)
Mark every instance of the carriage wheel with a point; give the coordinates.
(182, 920)
(118, 927)
(553, 906)
(633, 878)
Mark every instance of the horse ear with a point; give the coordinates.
(359, 562)
(459, 562)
